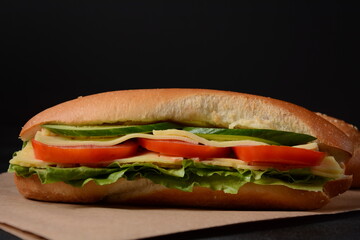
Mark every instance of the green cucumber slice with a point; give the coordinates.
(107, 130)
(279, 137)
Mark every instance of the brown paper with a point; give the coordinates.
(33, 219)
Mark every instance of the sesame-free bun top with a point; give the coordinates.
(202, 107)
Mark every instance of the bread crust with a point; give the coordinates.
(353, 165)
(144, 192)
(196, 106)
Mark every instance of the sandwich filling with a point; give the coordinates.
(176, 156)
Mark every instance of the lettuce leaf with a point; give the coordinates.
(189, 175)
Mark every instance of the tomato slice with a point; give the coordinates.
(83, 154)
(266, 154)
(183, 149)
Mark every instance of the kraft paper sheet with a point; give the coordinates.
(29, 219)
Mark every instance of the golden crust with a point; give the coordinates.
(197, 106)
(144, 192)
(353, 166)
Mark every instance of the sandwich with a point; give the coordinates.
(185, 148)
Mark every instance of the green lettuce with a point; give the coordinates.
(189, 175)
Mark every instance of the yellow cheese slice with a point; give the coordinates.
(166, 134)
(50, 139)
(329, 167)
(26, 157)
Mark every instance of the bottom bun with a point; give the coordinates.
(144, 192)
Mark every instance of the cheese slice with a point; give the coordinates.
(26, 157)
(329, 167)
(43, 136)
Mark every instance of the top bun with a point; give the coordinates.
(201, 107)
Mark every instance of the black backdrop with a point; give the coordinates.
(52, 51)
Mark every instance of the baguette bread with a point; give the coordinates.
(196, 107)
(353, 165)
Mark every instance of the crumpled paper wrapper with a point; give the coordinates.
(29, 219)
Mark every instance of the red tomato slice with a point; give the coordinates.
(83, 154)
(266, 154)
(183, 149)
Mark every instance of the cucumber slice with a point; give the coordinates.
(107, 130)
(275, 136)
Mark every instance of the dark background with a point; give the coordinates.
(305, 52)
(52, 51)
